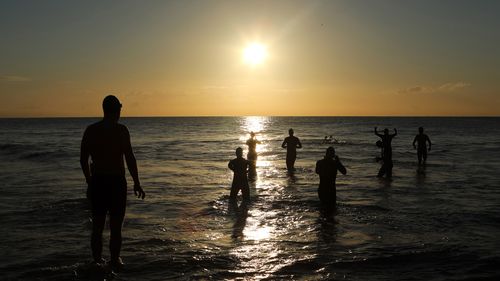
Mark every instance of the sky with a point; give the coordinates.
(185, 58)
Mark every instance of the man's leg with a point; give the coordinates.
(118, 205)
(245, 191)
(388, 169)
(96, 237)
(419, 155)
(234, 191)
(381, 172)
(289, 164)
(115, 240)
(424, 155)
(293, 162)
(290, 161)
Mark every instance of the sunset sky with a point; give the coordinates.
(170, 58)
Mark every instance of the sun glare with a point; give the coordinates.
(254, 54)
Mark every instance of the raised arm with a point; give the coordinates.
(132, 165)
(376, 133)
(395, 132)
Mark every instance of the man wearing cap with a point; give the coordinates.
(106, 143)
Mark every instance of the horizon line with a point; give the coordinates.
(232, 116)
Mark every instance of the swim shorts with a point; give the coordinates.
(108, 194)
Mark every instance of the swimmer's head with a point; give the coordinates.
(111, 106)
(290, 132)
(252, 134)
(421, 130)
(239, 152)
(330, 152)
(386, 131)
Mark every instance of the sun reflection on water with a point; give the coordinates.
(258, 125)
(255, 124)
(257, 233)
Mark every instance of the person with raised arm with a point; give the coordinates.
(387, 165)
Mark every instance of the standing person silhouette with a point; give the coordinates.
(252, 152)
(327, 169)
(106, 143)
(239, 166)
(386, 152)
(291, 143)
(421, 139)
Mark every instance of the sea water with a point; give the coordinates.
(441, 222)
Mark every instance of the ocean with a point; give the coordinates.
(441, 222)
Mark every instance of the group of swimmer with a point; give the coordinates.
(327, 168)
(107, 143)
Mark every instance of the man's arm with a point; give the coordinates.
(284, 144)
(340, 167)
(414, 141)
(84, 157)
(230, 165)
(376, 133)
(317, 167)
(429, 140)
(395, 132)
(132, 166)
(299, 144)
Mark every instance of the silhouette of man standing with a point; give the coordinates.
(105, 143)
(291, 143)
(327, 169)
(239, 166)
(386, 152)
(421, 139)
(252, 149)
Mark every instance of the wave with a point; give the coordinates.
(33, 152)
(15, 148)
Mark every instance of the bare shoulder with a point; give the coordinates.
(92, 128)
(123, 132)
(122, 127)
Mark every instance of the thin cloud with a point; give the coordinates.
(14, 78)
(450, 87)
(443, 88)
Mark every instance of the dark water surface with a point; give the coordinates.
(437, 223)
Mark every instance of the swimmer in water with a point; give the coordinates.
(422, 139)
(239, 166)
(291, 143)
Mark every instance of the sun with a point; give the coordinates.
(255, 54)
